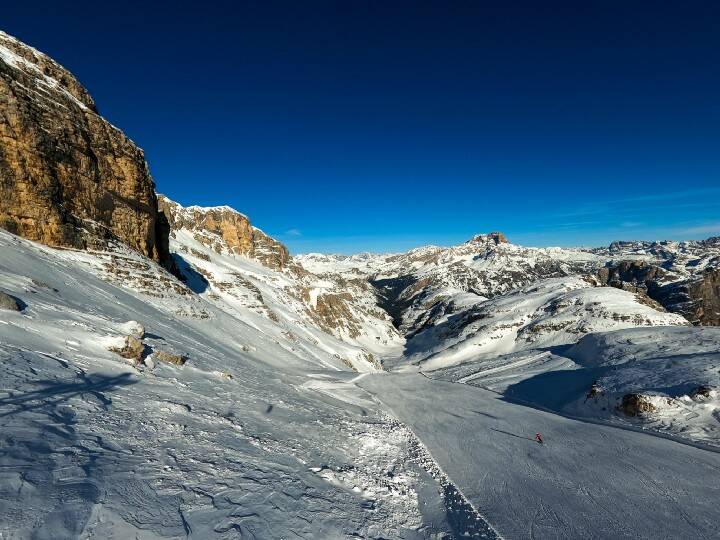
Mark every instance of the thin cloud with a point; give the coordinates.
(293, 232)
(633, 204)
(706, 228)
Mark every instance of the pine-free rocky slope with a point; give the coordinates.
(172, 372)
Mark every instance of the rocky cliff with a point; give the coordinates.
(213, 224)
(696, 297)
(68, 177)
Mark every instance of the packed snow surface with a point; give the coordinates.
(585, 481)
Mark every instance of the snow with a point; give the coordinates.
(586, 481)
(41, 79)
(668, 365)
(548, 313)
(271, 301)
(221, 447)
(265, 432)
(208, 209)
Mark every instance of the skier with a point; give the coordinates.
(538, 438)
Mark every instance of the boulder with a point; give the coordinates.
(129, 347)
(133, 328)
(170, 358)
(8, 303)
(636, 404)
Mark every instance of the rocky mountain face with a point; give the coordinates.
(488, 296)
(684, 277)
(222, 227)
(428, 283)
(237, 267)
(68, 177)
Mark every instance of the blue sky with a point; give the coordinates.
(379, 126)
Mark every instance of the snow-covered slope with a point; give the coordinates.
(429, 278)
(240, 441)
(323, 316)
(586, 481)
(548, 313)
(664, 379)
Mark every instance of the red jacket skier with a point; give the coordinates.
(538, 438)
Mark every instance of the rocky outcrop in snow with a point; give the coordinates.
(7, 302)
(222, 227)
(67, 176)
(695, 295)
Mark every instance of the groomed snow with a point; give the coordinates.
(586, 481)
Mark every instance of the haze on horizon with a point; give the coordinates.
(349, 127)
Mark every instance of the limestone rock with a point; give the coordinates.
(213, 224)
(493, 237)
(7, 302)
(130, 347)
(636, 404)
(697, 297)
(68, 177)
(170, 358)
(701, 297)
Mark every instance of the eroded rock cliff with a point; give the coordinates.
(67, 176)
(213, 224)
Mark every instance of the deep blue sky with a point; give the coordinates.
(347, 126)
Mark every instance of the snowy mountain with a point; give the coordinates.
(173, 372)
(219, 427)
(250, 276)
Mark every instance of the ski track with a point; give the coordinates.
(586, 481)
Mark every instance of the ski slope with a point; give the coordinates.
(240, 442)
(587, 481)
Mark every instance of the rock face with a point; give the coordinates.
(635, 405)
(222, 227)
(7, 302)
(67, 177)
(696, 297)
(634, 276)
(494, 237)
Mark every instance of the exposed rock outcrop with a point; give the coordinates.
(68, 177)
(697, 298)
(493, 237)
(8, 303)
(130, 347)
(170, 358)
(636, 404)
(633, 276)
(230, 226)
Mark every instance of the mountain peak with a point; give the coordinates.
(495, 237)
